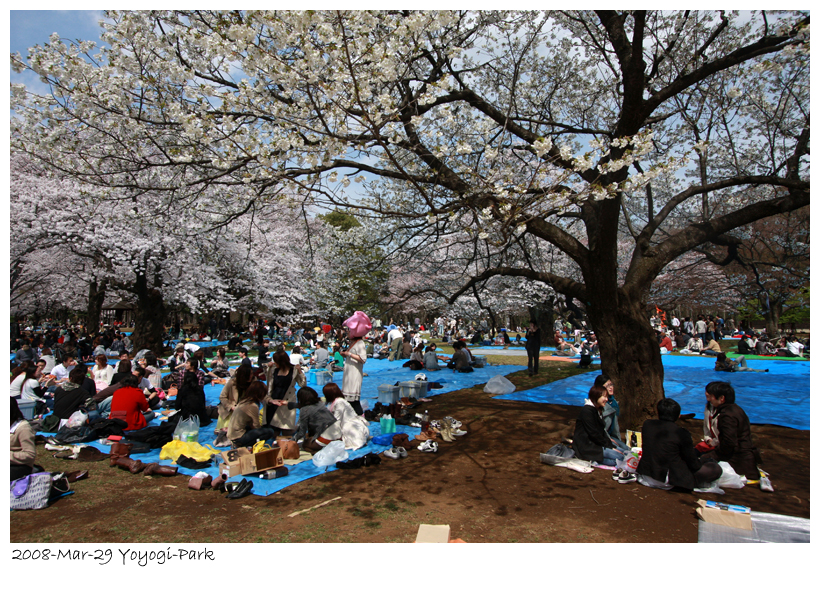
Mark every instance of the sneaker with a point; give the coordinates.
(627, 478)
(402, 452)
(435, 423)
(453, 422)
(393, 453)
(457, 432)
(616, 475)
(428, 446)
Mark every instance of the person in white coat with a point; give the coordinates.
(355, 429)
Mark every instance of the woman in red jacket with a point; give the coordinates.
(129, 403)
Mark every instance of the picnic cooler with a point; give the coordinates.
(412, 389)
(320, 378)
(27, 408)
(388, 394)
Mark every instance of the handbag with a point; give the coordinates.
(31, 491)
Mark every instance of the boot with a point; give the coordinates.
(157, 469)
(120, 449)
(124, 462)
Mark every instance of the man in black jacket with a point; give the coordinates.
(668, 455)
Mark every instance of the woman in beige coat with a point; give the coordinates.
(232, 393)
(282, 377)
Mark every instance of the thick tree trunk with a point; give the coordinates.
(543, 316)
(773, 319)
(149, 317)
(96, 297)
(630, 355)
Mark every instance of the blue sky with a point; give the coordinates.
(30, 27)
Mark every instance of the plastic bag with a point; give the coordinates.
(77, 419)
(557, 454)
(730, 478)
(187, 430)
(331, 454)
(628, 463)
(499, 385)
(174, 449)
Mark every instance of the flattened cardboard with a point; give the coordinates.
(723, 517)
(433, 533)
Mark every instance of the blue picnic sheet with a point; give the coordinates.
(378, 372)
(779, 397)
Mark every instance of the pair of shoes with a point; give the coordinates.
(243, 489)
(396, 453)
(446, 432)
(428, 446)
(453, 422)
(624, 477)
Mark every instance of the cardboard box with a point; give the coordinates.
(431, 533)
(244, 462)
(732, 516)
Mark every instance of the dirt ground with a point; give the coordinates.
(489, 486)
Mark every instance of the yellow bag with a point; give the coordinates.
(176, 448)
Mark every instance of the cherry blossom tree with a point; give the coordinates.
(575, 128)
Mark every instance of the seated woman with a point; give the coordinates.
(461, 358)
(431, 359)
(355, 429)
(723, 363)
(416, 361)
(232, 393)
(22, 444)
(129, 404)
(668, 457)
(611, 412)
(32, 391)
(70, 396)
(219, 365)
(590, 440)
(317, 425)
(693, 346)
(245, 415)
(190, 400)
(734, 432)
(102, 371)
(764, 348)
(338, 362)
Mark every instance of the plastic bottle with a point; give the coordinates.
(425, 421)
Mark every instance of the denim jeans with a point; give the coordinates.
(610, 456)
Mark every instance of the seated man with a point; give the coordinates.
(764, 347)
(664, 342)
(712, 347)
(668, 457)
(743, 346)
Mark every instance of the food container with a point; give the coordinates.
(388, 394)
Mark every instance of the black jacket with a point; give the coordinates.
(668, 447)
(67, 402)
(533, 340)
(735, 441)
(590, 436)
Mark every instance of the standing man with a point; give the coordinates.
(533, 347)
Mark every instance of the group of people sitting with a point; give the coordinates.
(669, 459)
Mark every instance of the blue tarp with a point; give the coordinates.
(378, 372)
(779, 397)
